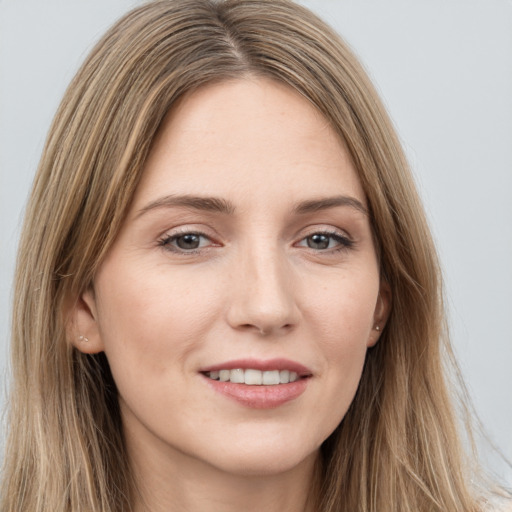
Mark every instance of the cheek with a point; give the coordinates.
(342, 311)
(342, 318)
(151, 319)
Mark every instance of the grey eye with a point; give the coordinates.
(325, 242)
(188, 241)
(184, 243)
(318, 241)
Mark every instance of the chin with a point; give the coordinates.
(269, 465)
(264, 458)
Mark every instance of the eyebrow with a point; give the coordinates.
(219, 205)
(209, 204)
(316, 205)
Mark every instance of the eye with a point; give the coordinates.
(325, 240)
(185, 242)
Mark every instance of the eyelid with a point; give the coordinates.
(185, 229)
(324, 229)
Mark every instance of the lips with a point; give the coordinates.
(258, 384)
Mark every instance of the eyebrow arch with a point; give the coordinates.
(209, 204)
(316, 205)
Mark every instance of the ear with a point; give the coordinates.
(82, 328)
(381, 313)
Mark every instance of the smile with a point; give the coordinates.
(252, 377)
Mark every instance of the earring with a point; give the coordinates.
(377, 327)
(83, 338)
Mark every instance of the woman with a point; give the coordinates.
(233, 297)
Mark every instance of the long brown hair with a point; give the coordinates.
(397, 447)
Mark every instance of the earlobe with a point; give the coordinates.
(82, 328)
(381, 314)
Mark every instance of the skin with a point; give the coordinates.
(257, 286)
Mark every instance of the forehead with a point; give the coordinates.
(251, 138)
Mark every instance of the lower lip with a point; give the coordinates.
(260, 397)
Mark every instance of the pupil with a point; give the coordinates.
(188, 241)
(318, 241)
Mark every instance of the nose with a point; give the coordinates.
(263, 294)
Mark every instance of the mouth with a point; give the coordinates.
(254, 377)
(258, 384)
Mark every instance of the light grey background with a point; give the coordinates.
(444, 69)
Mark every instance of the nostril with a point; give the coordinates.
(265, 331)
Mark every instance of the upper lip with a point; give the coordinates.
(260, 364)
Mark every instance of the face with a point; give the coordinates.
(238, 301)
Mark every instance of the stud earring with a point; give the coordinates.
(83, 338)
(377, 327)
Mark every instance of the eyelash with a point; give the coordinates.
(344, 243)
(167, 240)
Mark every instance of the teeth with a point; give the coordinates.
(252, 377)
(237, 376)
(271, 378)
(284, 376)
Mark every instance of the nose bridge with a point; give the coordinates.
(264, 292)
